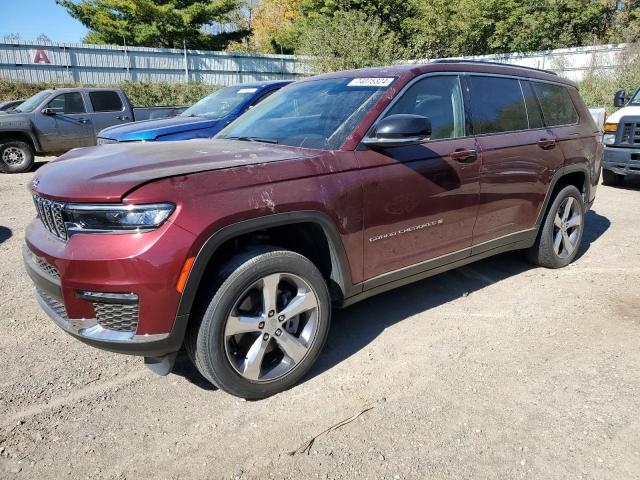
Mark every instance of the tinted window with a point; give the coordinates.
(557, 106)
(68, 103)
(439, 99)
(497, 105)
(533, 107)
(106, 102)
(313, 114)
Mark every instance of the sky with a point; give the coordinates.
(30, 18)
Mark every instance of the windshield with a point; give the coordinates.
(313, 114)
(636, 99)
(31, 104)
(220, 103)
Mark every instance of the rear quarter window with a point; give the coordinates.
(106, 102)
(497, 105)
(556, 104)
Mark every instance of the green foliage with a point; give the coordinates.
(141, 94)
(597, 90)
(156, 23)
(347, 40)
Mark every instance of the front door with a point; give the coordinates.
(67, 126)
(420, 201)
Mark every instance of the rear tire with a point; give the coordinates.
(611, 179)
(16, 157)
(561, 232)
(264, 326)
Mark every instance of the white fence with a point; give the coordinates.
(103, 64)
(571, 63)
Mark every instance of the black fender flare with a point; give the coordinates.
(20, 134)
(340, 270)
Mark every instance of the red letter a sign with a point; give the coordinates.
(41, 56)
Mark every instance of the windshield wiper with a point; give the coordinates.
(253, 139)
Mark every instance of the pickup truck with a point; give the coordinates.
(54, 121)
(622, 140)
(202, 120)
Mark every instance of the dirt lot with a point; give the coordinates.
(496, 370)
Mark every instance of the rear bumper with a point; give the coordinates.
(625, 161)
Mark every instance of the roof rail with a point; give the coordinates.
(485, 62)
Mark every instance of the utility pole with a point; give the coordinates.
(186, 62)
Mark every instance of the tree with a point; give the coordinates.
(347, 40)
(157, 23)
(273, 25)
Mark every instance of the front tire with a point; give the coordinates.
(265, 326)
(560, 235)
(611, 179)
(16, 157)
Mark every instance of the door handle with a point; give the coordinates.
(83, 120)
(122, 117)
(463, 155)
(547, 144)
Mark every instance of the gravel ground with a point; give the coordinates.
(495, 370)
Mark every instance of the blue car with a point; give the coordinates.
(202, 120)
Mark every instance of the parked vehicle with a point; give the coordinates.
(54, 121)
(337, 188)
(202, 120)
(622, 140)
(6, 107)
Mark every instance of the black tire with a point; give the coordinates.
(16, 157)
(611, 179)
(543, 252)
(207, 343)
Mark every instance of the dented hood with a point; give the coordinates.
(107, 172)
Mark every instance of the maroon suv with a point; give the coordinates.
(334, 189)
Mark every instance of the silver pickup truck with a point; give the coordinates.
(54, 121)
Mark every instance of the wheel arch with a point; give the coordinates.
(22, 136)
(340, 273)
(574, 174)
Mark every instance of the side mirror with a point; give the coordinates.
(620, 98)
(399, 130)
(52, 110)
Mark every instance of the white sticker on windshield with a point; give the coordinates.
(247, 90)
(370, 82)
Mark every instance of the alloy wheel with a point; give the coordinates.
(567, 225)
(271, 327)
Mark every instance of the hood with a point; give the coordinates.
(106, 173)
(623, 112)
(149, 130)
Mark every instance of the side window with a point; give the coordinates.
(68, 103)
(497, 105)
(438, 98)
(533, 107)
(106, 102)
(557, 106)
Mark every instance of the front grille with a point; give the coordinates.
(630, 133)
(46, 267)
(117, 316)
(53, 303)
(50, 212)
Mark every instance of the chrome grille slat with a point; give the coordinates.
(50, 212)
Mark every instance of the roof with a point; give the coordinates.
(412, 70)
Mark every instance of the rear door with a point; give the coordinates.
(108, 110)
(519, 157)
(420, 201)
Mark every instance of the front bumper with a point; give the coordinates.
(625, 161)
(134, 275)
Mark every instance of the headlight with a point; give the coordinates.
(609, 138)
(86, 218)
(105, 141)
